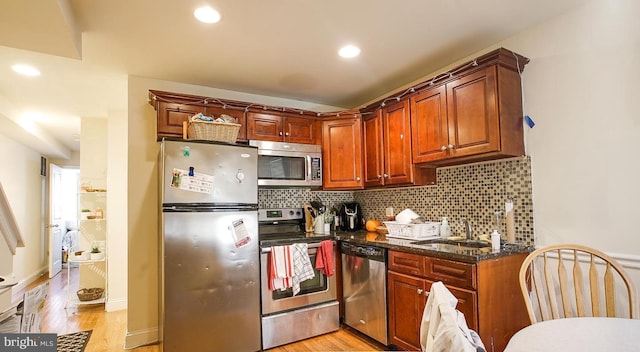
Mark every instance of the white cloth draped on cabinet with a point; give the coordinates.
(443, 328)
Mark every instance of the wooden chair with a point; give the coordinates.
(554, 286)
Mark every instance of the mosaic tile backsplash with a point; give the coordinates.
(474, 191)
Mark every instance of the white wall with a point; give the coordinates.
(117, 235)
(581, 90)
(23, 186)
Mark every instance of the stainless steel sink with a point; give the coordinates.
(462, 243)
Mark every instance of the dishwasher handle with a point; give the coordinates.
(364, 251)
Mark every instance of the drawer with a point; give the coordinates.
(450, 272)
(406, 263)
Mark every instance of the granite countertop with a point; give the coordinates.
(438, 250)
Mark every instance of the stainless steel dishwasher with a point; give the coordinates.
(364, 289)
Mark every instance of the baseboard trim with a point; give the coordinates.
(22, 284)
(113, 305)
(139, 338)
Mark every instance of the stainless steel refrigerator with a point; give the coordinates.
(210, 261)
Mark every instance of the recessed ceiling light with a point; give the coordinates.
(207, 14)
(26, 70)
(349, 51)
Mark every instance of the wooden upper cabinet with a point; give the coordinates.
(373, 150)
(396, 124)
(474, 126)
(475, 117)
(300, 130)
(342, 154)
(281, 128)
(172, 115)
(429, 129)
(264, 127)
(387, 145)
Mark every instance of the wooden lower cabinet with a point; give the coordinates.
(488, 295)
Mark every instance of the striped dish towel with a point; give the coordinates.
(280, 268)
(302, 268)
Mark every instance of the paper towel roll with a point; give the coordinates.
(510, 222)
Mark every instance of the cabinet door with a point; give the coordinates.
(342, 154)
(430, 136)
(472, 114)
(406, 303)
(238, 114)
(299, 130)
(373, 152)
(467, 303)
(264, 127)
(172, 115)
(396, 124)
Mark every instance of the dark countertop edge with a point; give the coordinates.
(404, 245)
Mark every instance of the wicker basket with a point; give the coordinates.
(89, 294)
(213, 131)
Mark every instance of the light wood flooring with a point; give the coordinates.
(109, 327)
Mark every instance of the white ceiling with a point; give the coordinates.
(282, 48)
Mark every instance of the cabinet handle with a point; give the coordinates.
(379, 176)
(357, 178)
(426, 293)
(451, 146)
(420, 291)
(443, 148)
(385, 175)
(280, 133)
(286, 134)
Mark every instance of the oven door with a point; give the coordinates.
(313, 291)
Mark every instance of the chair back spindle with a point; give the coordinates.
(554, 286)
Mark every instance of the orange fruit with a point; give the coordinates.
(371, 224)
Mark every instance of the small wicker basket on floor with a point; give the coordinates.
(213, 131)
(89, 294)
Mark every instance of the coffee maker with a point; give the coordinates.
(351, 216)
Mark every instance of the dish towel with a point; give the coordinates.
(324, 258)
(302, 269)
(280, 268)
(443, 328)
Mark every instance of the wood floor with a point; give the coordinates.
(109, 327)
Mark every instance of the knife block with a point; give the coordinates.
(308, 219)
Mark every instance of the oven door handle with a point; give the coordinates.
(311, 245)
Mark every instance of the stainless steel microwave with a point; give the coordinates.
(288, 164)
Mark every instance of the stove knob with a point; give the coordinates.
(290, 212)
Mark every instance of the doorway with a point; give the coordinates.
(62, 226)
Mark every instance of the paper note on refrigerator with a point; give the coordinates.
(240, 233)
(200, 183)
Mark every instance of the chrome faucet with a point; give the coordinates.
(467, 227)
